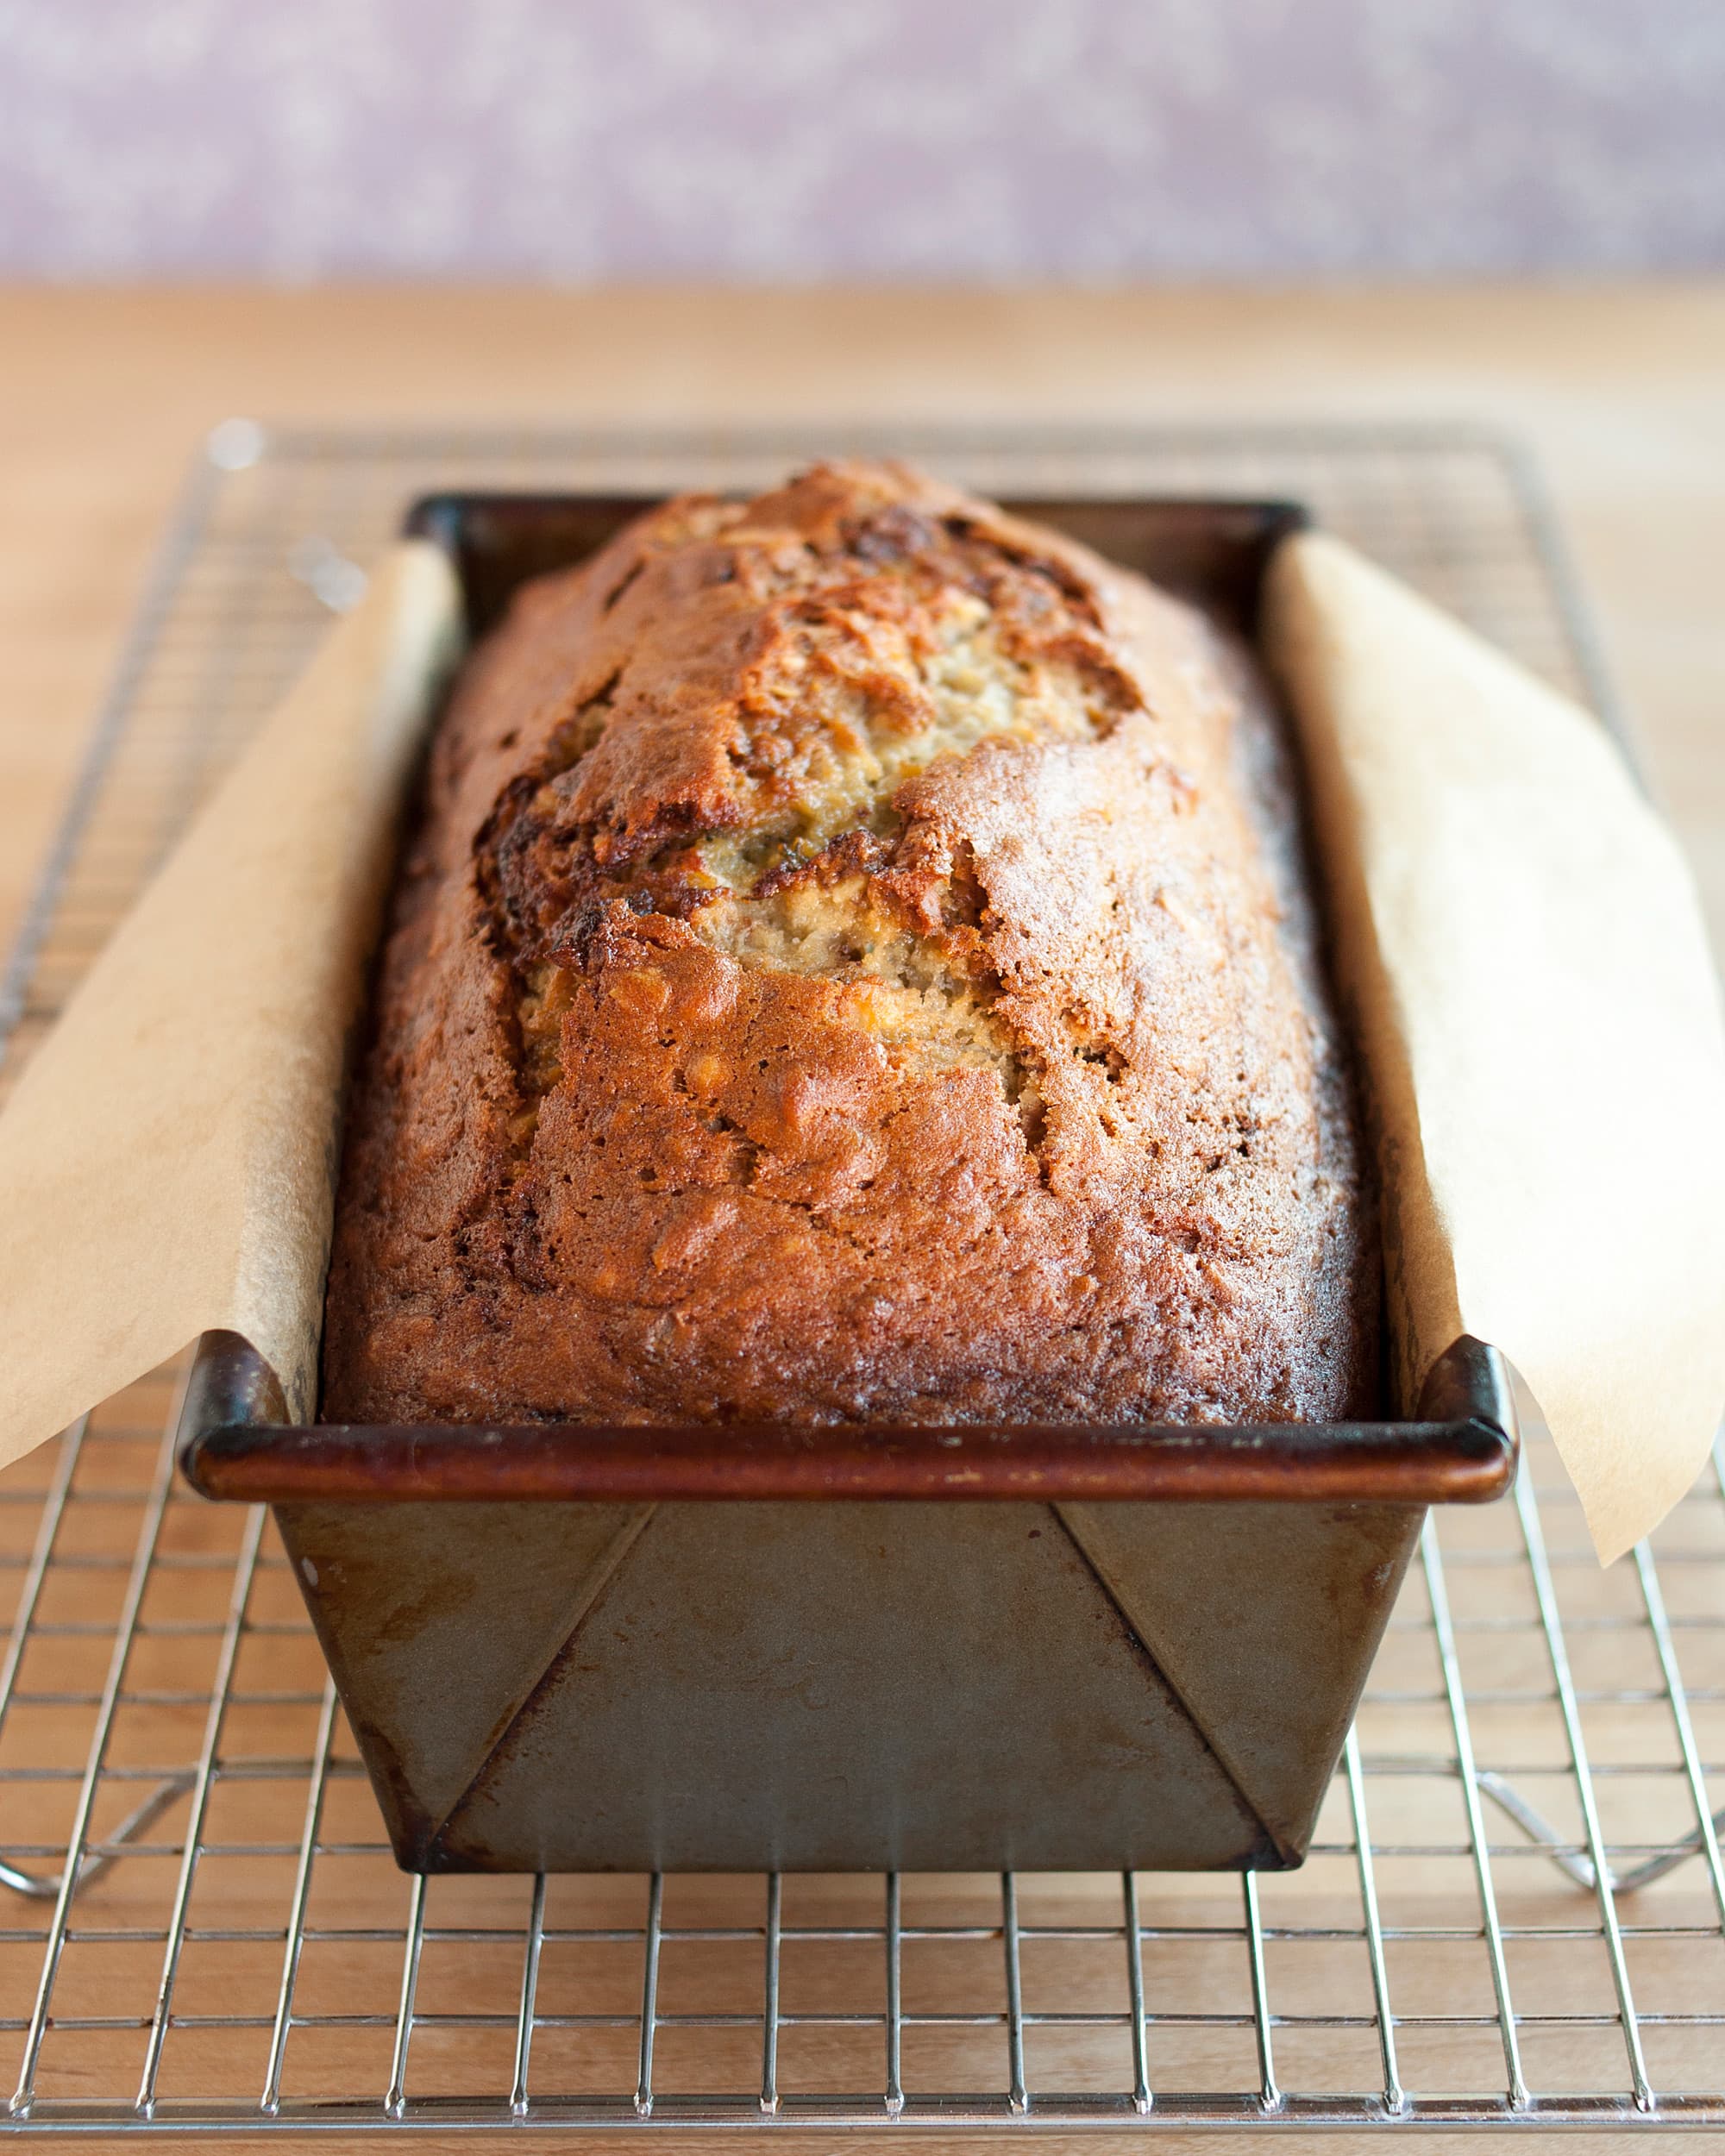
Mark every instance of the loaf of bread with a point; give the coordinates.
(854, 964)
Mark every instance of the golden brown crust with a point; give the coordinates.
(854, 964)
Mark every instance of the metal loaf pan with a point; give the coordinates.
(565, 1647)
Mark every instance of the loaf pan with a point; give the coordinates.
(568, 1647)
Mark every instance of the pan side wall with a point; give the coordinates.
(849, 1685)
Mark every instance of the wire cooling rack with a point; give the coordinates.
(1515, 1911)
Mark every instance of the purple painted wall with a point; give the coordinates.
(805, 140)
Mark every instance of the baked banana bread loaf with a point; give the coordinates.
(854, 963)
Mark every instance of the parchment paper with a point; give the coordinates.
(1517, 935)
(1524, 951)
(166, 1161)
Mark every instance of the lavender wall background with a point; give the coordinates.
(806, 140)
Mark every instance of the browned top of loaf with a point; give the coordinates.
(853, 964)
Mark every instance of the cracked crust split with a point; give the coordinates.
(854, 963)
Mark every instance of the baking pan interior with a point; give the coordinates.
(1458, 1446)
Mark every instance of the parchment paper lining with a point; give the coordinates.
(1518, 940)
(1523, 950)
(166, 1161)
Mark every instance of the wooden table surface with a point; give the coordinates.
(1621, 390)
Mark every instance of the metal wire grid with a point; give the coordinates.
(1515, 1913)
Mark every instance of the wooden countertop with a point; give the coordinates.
(1620, 389)
(1621, 392)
